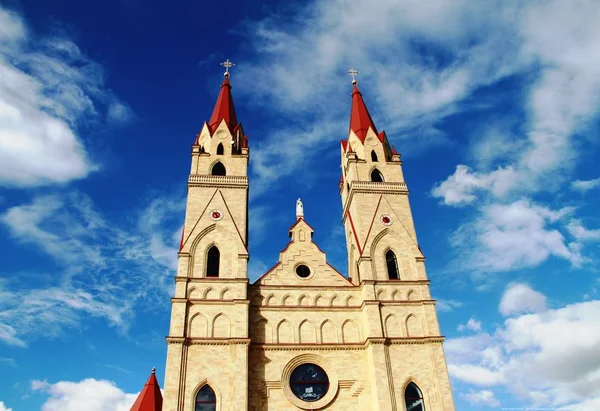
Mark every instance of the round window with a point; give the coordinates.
(309, 382)
(302, 271)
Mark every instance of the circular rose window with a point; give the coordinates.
(309, 382)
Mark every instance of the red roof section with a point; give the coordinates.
(360, 119)
(224, 109)
(150, 399)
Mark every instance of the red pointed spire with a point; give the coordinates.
(150, 399)
(224, 109)
(360, 119)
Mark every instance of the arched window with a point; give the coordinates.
(220, 149)
(218, 169)
(376, 176)
(373, 155)
(212, 262)
(392, 265)
(413, 398)
(206, 399)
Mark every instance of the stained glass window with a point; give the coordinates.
(309, 382)
(413, 398)
(206, 399)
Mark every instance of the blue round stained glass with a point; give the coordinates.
(309, 382)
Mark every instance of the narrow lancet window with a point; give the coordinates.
(206, 399)
(213, 262)
(376, 176)
(413, 398)
(218, 169)
(373, 155)
(220, 149)
(392, 265)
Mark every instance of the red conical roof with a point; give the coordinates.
(360, 119)
(150, 399)
(224, 109)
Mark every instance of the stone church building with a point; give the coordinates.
(303, 336)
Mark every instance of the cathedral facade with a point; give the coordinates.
(303, 336)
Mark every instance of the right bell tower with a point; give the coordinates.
(386, 263)
(380, 233)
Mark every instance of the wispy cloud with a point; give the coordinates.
(106, 269)
(515, 235)
(558, 45)
(48, 89)
(585, 185)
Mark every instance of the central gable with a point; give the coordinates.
(303, 263)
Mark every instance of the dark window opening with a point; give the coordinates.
(376, 176)
(212, 262)
(392, 265)
(413, 398)
(206, 399)
(220, 149)
(373, 155)
(302, 271)
(218, 169)
(309, 382)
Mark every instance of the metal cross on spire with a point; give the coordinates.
(227, 64)
(353, 72)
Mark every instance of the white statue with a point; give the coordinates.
(299, 209)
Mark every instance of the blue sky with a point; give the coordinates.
(493, 105)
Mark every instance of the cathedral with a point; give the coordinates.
(302, 336)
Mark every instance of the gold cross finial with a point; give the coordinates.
(227, 64)
(353, 72)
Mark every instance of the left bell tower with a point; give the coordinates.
(207, 353)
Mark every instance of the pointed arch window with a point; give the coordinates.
(373, 155)
(376, 176)
(218, 169)
(213, 262)
(413, 398)
(206, 399)
(392, 265)
(220, 149)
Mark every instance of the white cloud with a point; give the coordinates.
(472, 325)
(462, 186)
(483, 397)
(2, 406)
(48, 87)
(107, 269)
(509, 236)
(547, 358)
(119, 113)
(444, 305)
(520, 298)
(88, 394)
(585, 185)
(581, 233)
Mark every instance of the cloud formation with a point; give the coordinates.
(49, 91)
(105, 270)
(546, 357)
(88, 394)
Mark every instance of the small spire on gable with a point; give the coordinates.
(150, 399)
(360, 119)
(224, 108)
